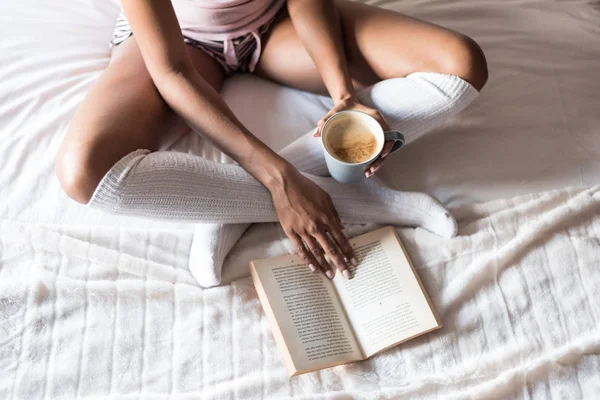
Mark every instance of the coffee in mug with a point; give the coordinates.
(352, 141)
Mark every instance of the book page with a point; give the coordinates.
(384, 300)
(308, 314)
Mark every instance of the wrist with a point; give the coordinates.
(339, 84)
(344, 98)
(273, 171)
(279, 176)
(342, 92)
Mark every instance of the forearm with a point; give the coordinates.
(318, 27)
(205, 111)
(158, 34)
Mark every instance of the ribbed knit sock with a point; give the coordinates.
(211, 244)
(177, 186)
(413, 105)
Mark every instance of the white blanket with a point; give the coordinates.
(93, 312)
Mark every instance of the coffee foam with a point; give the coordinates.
(350, 140)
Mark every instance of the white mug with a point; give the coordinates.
(351, 172)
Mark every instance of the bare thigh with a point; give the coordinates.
(122, 112)
(379, 44)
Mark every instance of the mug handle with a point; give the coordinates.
(397, 137)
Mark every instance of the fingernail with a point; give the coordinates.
(346, 274)
(345, 259)
(354, 261)
(329, 274)
(312, 267)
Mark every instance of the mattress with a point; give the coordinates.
(516, 289)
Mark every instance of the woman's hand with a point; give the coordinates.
(311, 222)
(351, 103)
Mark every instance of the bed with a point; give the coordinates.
(93, 305)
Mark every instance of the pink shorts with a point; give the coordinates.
(240, 54)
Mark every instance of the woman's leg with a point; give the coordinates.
(415, 73)
(122, 112)
(380, 44)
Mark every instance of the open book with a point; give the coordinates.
(320, 323)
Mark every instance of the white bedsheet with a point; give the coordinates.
(97, 312)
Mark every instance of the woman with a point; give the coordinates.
(171, 58)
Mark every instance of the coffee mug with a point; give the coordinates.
(358, 123)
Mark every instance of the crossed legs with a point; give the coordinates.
(444, 71)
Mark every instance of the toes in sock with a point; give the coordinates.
(435, 218)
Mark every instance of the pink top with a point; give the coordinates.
(223, 19)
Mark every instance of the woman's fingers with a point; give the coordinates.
(336, 228)
(344, 245)
(304, 254)
(374, 167)
(377, 115)
(387, 148)
(322, 122)
(318, 131)
(335, 255)
(352, 104)
(336, 109)
(318, 254)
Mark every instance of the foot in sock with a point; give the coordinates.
(210, 246)
(397, 207)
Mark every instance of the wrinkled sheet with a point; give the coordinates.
(100, 311)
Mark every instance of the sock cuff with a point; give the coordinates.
(107, 194)
(451, 86)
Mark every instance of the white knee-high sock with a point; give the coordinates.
(180, 186)
(420, 102)
(211, 244)
(413, 105)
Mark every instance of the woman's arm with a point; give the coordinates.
(158, 35)
(305, 211)
(318, 27)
